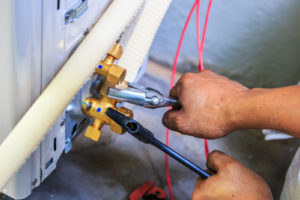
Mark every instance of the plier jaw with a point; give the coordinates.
(139, 95)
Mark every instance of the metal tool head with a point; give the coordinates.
(153, 97)
(130, 125)
(139, 95)
(120, 119)
(144, 135)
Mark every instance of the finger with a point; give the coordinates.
(210, 172)
(217, 160)
(173, 92)
(172, 119)
(210, 74)
(176, 91)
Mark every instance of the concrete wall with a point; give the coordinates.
(256, 42)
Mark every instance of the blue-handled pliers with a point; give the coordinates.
(144, 135)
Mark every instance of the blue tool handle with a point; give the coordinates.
(180, 158)
(143, 134)
(146, 136)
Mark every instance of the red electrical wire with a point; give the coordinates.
(200, 66)
(200, 45)
(204, 33)
(200, 54)
(180, 43)
(171, 85)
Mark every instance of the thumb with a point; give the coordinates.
(217, 160)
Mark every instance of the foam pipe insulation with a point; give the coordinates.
(142, 36)
(31, 129)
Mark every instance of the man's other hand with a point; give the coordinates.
(231, 181)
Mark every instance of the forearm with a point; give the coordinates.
(268, 108)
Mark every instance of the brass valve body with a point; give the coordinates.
(114, 74)
(96, 108)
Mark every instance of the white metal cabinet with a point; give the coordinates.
(35, 41)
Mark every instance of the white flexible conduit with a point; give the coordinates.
(142, 36)
(31, 129)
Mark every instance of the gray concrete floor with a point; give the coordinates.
(116, 165)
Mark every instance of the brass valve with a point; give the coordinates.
(96, 108)
(114, 74)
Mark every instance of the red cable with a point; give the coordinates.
(201, 66)
(180, 43)
(171, 85)
(200, 54)
(204, 33)
(200, 45)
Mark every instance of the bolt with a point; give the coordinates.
(89, 106)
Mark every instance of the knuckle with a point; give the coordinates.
(174, 91)
(188, 76)
(214, 155)
(187, 79)
(207, 71)
(230, 166)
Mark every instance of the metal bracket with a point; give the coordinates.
(73, 14)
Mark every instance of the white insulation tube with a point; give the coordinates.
(142, 36)
(31, 129)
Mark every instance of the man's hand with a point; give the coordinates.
(205, 98)
(231, 181)
(213, 106)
